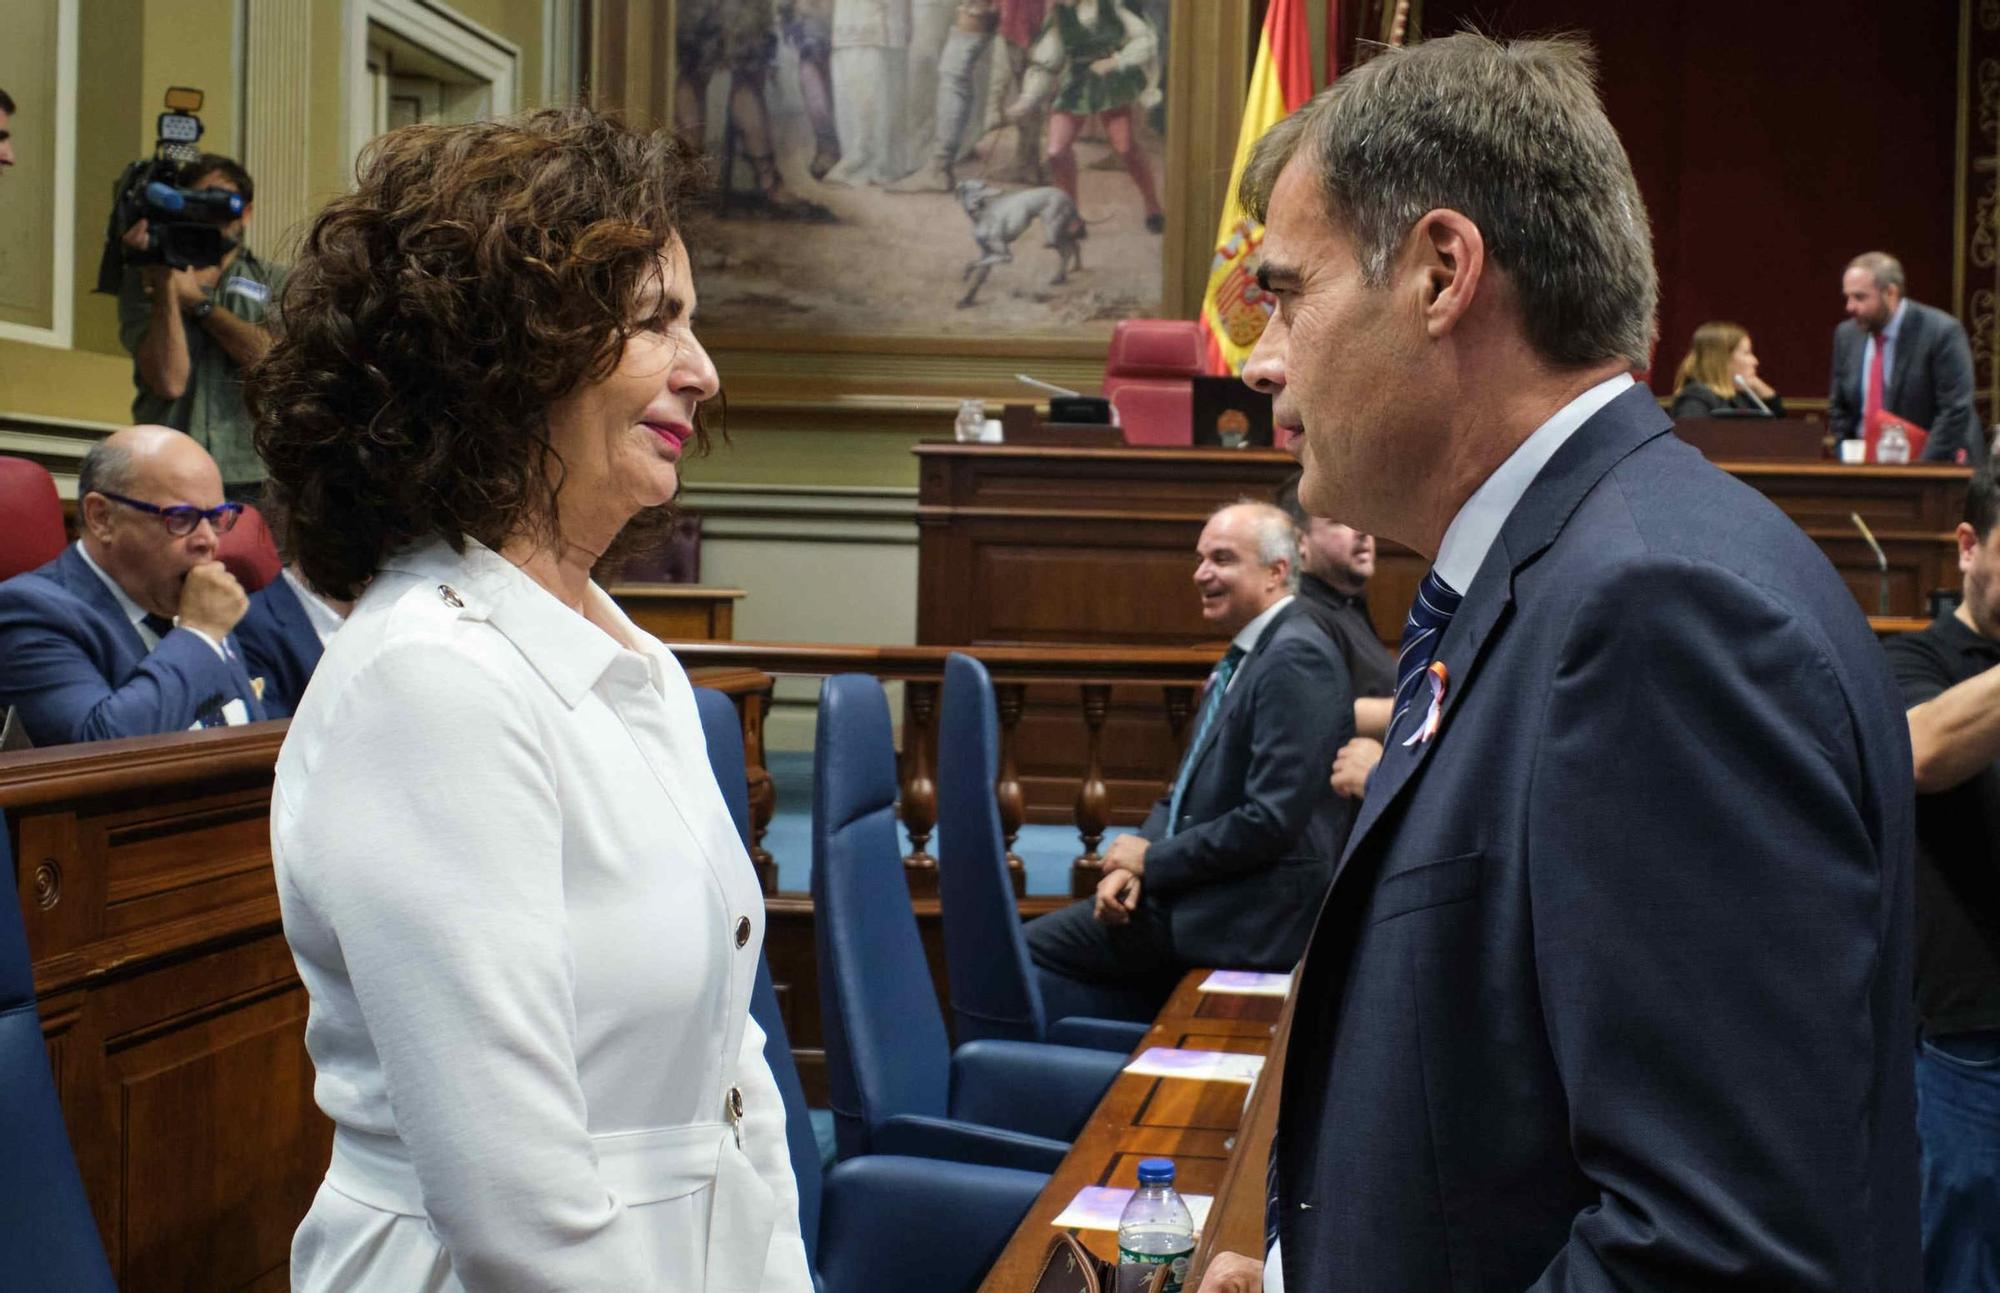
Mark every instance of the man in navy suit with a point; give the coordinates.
(1902, 357)
(127, 632)
(284, 633)
(1231, 864)
(1612, 989)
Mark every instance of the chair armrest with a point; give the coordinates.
(1030, 1086)
(968, 1213)
(1120, 1035)
(922, 1136)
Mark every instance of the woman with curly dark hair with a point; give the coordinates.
(527, 926)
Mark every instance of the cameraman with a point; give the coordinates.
(192, 332)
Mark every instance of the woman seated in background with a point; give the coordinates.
(525, 921)
(1720, 372)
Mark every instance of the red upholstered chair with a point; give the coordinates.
(33, 533)
(1147, 378)
(249, 551)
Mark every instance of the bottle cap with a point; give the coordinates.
(1156, 1171)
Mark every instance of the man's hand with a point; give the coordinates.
(1127, 853)
(212, 600)
(1106, 65)
(1232, 1273)
(136, 236)
(1117, 897)
(1353, 764)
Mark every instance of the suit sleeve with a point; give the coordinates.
(453, 929)
(1842, 416)
(1302, 712)
(55, 684)
(1956, 423)
(1709, 911)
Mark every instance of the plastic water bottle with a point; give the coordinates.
(1156, 1228)
(971, 423)
(1893, 445)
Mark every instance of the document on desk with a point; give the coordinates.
(1248, 983)
(1098, 1207)
(1202, 1066)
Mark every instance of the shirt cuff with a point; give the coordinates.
(213, 645)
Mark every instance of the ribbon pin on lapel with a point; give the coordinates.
(1439, 678)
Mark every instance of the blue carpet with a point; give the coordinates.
(1045, 851)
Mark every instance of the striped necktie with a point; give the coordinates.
(1436, 603)
(1211, 705)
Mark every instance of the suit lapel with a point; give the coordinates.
(1909, 340)
(296, 625)
(1230, 697)
(83, 583)
(1597, 446)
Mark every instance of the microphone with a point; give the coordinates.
(1041, 385)
(1744, 386)
(1881, 559)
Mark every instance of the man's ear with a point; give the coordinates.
(1968, 543)
(93, 516)
(1450, 255)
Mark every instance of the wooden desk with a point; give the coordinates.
(1219, 1146)
(680, 612)
(1027, 544)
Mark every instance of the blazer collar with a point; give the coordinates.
(74, 573)
(568, 651)
(1229, 699)
(1610, 435)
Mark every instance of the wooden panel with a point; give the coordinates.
(680, 612)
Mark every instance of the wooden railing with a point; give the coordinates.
(1092, 671)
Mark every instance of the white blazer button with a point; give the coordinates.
(742, 930)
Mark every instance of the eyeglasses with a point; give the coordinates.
(182, 520)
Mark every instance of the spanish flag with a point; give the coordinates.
(1233, 310)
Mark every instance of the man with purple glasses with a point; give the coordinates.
(127, 633)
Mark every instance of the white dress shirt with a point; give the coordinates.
(325, 620)
(529, 935)
(1471, 534)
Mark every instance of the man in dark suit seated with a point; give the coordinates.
(1230, 865)
(284, 633)
(1612, 987)
(1899, 356)
(127, 633)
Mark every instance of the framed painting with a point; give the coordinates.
(941, 183)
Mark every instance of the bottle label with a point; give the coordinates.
(1177, 1264)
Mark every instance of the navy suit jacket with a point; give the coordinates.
(280, 645)
(75, 669)
(1241, 874)
(1930, 383)
(1613, 986)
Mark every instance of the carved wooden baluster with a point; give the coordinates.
(1093, 798)
(1013, 803)
(919, 785)
(753, 706)
(1180, 706)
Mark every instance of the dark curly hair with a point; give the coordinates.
(476, 275)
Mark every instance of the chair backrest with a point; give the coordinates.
(249, 552)
(1148, 376)
(886, 1051)
(721, 728)
(48, 1238)
(33, 535)
(993, 991)
(675, 560)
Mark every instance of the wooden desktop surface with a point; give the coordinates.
(1217, 1133)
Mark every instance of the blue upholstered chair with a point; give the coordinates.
(994, 990)
(897, 1087)
(48, 1238)
(855, 1218)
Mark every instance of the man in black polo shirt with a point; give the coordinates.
(1335, 564)
(1950, 681)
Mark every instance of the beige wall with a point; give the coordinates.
(129, 52)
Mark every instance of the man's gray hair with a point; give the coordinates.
(1885, 269)
(1277, 538)
(1514, 138)
(106, 467)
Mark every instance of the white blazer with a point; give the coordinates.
(529, 933)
